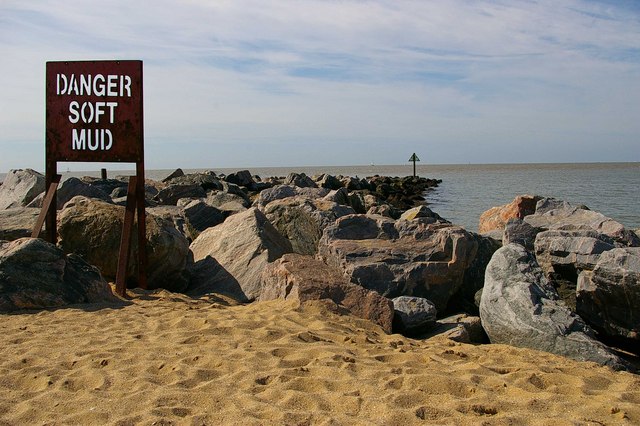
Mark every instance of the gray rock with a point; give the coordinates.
(93, 229)
(174, 174)
(209, 277)
(73, 187)
(175, 215)
(519, 232)
(330, 182)
(201, 216)
(465, 298)
(560, 215)
(232, 188)
(206, 180)
(312, 193)
(520, 307)
(300, 180)
(17, 222)
(352, 183)
(277, 192)
(173, 192)
(563, 254)
(243, 245)
(461, 328)
(403, 258)
(385, 210)
(107, 186)
(241, 178)
(302, 220)
(413, 315)
(357, 201)
(609, 296)
(422, 212)
(340, 196)
(224, 201)
(304, 278)
(35, 274)
(20, 187)
(545, 205)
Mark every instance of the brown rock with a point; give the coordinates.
(497, 217)
(395, 258)
(304, 278)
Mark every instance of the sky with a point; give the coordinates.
(251, 83)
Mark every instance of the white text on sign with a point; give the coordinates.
(86, 112)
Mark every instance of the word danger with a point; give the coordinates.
(90, 112)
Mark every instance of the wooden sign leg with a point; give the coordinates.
(142, 227)
(125, 240)
(46, 207)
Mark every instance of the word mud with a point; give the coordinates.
(91, 139)
(96, 85)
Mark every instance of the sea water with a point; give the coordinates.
(468, 190)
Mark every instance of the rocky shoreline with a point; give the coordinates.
(543, 274)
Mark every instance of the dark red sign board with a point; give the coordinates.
(94, 114)
(94, 111)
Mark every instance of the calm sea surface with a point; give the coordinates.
(468, 190)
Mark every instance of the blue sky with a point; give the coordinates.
(249, 83)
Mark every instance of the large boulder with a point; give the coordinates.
(93, 228)
(396, 258)
(20, 187)
(520, 307)
(559, 215)
(302, 220)
(35, 274)
(304, 278)
(243, 245)
(608, 297)
(17, 222)
(497, 217)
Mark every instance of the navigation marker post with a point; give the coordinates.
(94, 114)
(414, 158)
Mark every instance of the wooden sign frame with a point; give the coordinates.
(94, 113)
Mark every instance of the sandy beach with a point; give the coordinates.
(164, 358)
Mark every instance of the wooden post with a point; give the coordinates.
(103, 174)
(51, 222)
(142, 226)
(49, 200)
(125, 239)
